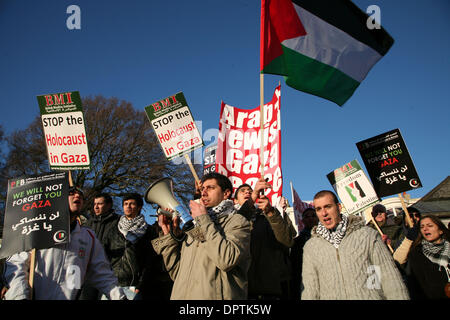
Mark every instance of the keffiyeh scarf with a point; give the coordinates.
(132, 229)
(333, 237)
(225, 207)
(438, 253)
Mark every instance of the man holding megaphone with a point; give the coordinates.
(212, 260)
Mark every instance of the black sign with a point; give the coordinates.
(209, 161)
(37, 213)
(389, 164)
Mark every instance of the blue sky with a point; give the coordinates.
(141, 51)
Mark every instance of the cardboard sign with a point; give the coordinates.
(37, 213)
(64, 131)
(239, 143)
(209, 161)
(174, 126)
(389, 164)
(353, 187)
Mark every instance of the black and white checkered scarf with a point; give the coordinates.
(438, 253)
(225, 207)
(132, 229)
(333, 237)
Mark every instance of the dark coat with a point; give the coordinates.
(393, 231)
(102, 224)
(296, 258)
(271, 238)
(427, 281)
(130, 261)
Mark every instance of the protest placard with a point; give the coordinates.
(239, 143)
(209, 160)
(353, 187)
(174, 126)
(37, 213)
(64, 131)
(299, 207)
(389, 164)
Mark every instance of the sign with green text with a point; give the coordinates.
(64, 130)
(37, 213)
(174, 126)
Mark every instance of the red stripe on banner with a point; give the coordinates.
(279, 21)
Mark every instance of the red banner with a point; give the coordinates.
(238, 152)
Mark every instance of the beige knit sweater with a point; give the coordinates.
(362, 268)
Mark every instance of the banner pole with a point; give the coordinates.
(188, 160)
(405, 210)
(261, 102)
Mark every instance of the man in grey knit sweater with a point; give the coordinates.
(346, 260)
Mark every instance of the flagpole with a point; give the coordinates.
(261, 102)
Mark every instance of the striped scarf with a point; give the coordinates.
(333, 237)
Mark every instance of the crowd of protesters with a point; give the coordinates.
(239, 246)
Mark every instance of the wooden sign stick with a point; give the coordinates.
(188, 160)
(381, 233)
(31, 275)
(405, 210)
(70, 179)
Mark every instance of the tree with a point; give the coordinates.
(125, 154)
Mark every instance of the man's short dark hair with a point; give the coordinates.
(323, 193)
(105, 196)
(134, 196)
(240, 187)
(222, 181)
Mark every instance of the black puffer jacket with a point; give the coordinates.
(130, 261)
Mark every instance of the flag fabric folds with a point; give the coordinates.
(298, 204)
(322, 47)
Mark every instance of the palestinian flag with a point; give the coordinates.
(322, 47)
